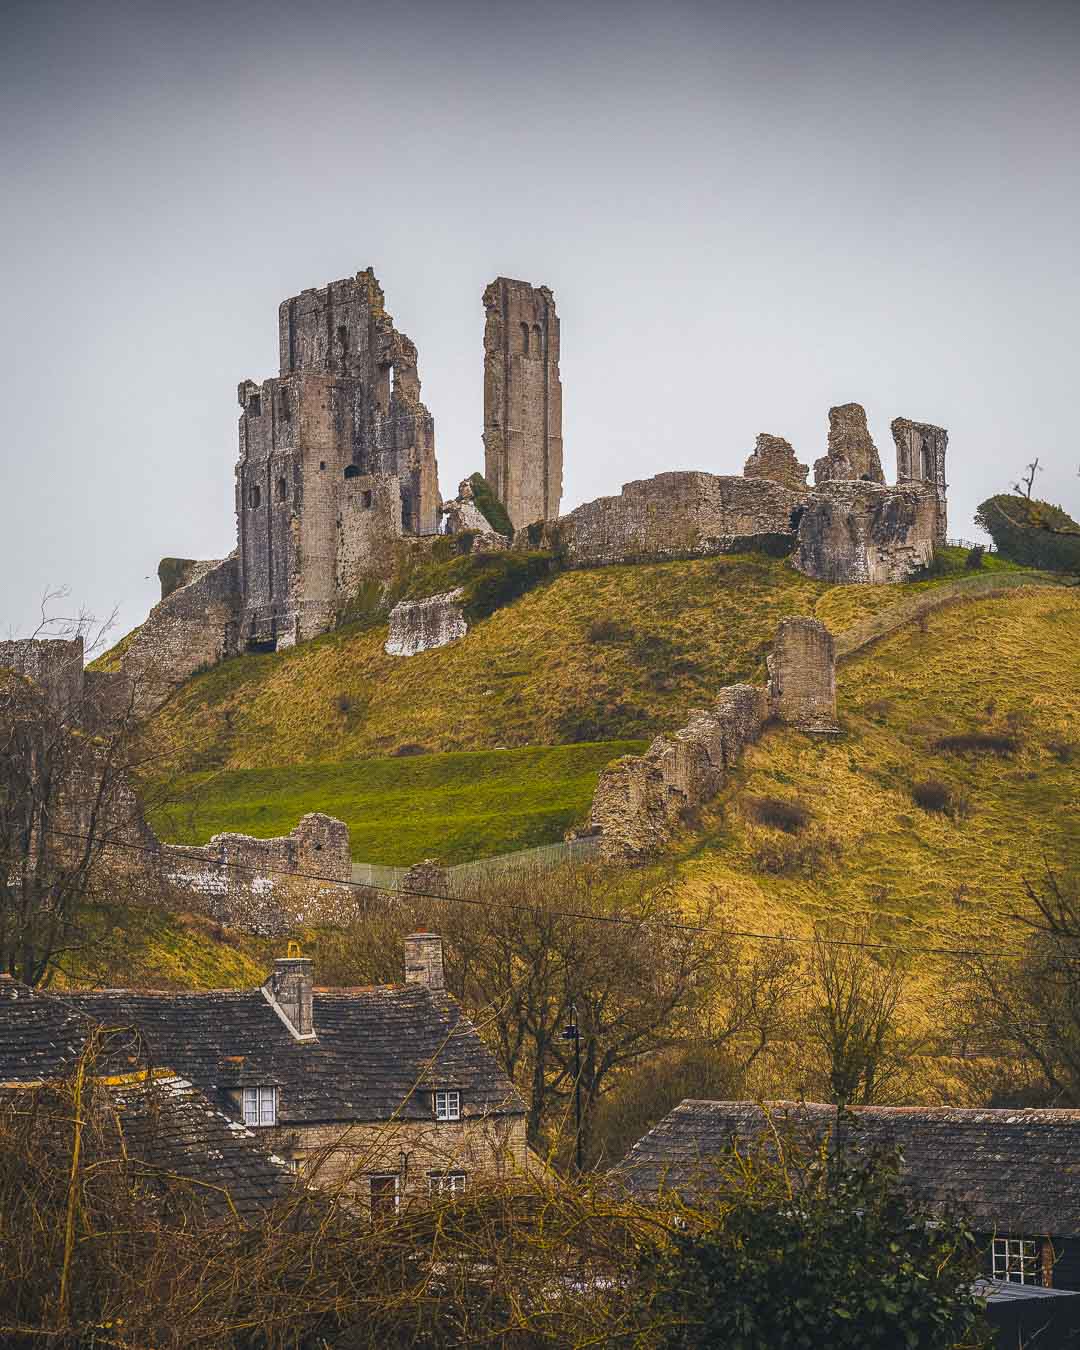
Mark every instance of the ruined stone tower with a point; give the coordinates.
(337, 460)
(523, 454)
(920, 458)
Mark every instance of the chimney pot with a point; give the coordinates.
(424, 960)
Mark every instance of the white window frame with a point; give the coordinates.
(446, 1183)
(1017, 1260)
(447, 1104)
(260, 1107)
(385, 1176)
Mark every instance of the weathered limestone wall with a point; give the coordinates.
(523, 452)
(486, 1148)
(774, 458)
(55, 665)
(640, 799)
(802, 676)
(463, 513)
(920, 458)
(674, 515)
(193, 627)
(419, 625)
(852, 452)
(369, 515)
(267, 885)
(861, 532)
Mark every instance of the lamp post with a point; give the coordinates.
(571, 1032)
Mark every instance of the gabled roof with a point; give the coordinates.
(160, 1123)
(1012, 1170)
(378, 1051)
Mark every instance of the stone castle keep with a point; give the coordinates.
(337, 468)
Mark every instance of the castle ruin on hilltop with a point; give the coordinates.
(337, 468)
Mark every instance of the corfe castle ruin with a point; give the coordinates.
(336, 475)
(337, 467)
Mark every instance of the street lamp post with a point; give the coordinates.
(571, 1032)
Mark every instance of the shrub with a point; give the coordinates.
(411, 748)
(489, 505)
(978, 742)
(1024, 532)
(608, 630)
(791, 817)
(974, 560)
(933, 795)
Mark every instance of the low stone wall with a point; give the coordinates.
(641, 800)
(267, 885)
(420, 625)
(674, 515)
(860, 532)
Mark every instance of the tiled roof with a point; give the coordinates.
(162, 1122)
(1015, 1170)
(373, 1047)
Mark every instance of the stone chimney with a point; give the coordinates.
(424, 960)
(288, 991)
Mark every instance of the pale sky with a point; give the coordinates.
(747, 212)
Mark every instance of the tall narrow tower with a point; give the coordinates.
(523, 454)
(920, 458)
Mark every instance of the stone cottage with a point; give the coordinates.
(387, 1091)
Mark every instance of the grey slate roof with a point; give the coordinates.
(1015, 1170)
(373, 1047)
(163, 1123)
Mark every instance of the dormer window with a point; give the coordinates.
(447, 1105)
(260, 1106)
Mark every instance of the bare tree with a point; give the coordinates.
(65, 799)
(614, 954)
(853, 1016)
(1027, 480)
(1020, 997)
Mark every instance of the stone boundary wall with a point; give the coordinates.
(267, 885)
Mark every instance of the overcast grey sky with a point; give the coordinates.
(747, 212)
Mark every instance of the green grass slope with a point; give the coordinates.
(459, 806)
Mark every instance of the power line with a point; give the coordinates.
(477, 901)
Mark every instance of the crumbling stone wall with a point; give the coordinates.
(195, 626)
(337, 457)
(523, 452)
(55, 665)
(852, 452)
(420, 625)
(802, 676)
(674, 515)
(774, 458)
(266, 885)
(920, 458)
(463, 513)
(641, 799)
(860, 532)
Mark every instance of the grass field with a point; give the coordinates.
(453, 806)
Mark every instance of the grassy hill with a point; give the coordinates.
(458, 806)
(606, 654)
(974, 710)
(264, 738)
